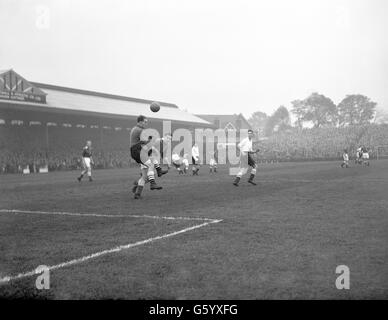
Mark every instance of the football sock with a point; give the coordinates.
(154, 186)
(252, 176)
(236, 181)
(134, 188)
(138, 192)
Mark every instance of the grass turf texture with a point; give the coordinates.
(281, 239)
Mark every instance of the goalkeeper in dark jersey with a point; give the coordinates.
(141, 152)
(87, 161)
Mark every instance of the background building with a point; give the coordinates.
(47, 125)
(227, 121)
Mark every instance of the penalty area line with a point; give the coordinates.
(104, 252)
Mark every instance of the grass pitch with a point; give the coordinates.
(281, 239)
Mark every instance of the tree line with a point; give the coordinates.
(319, 110)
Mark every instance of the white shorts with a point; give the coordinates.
(365, 155)
(86, 162)
(147, 164)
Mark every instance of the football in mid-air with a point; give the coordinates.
(155, 107)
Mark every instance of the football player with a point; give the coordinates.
(177, 162)
(359, 156)
(195, 159)
(87, 161)
(213, 162)
(212, 165)
(345, 157)
(365, 156)
(185, 163)
(146, 167)
(246, 159)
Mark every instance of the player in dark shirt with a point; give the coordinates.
(141, 152)
(87, 161)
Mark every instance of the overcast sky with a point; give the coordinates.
(219, 56)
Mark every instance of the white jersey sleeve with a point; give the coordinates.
(245, 145)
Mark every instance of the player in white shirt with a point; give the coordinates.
(365, 156)
(246, 159)
(177, 162)
(195, 158)
(185, 163)
(212, 165)
(345, 158)
(213, 161)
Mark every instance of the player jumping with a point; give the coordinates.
(147, 167)
(87, 161)
(246, 159)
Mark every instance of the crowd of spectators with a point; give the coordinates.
(312, 143)
(324, 143)
(24, 147)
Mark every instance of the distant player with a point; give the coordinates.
(359, 155)
(365, 156)
(177, 162)
(146, 167)
(246, 159)
(185, 163)
(195, 159)
(87, 161)
(345, 157)
(213, 162)
(212, 165)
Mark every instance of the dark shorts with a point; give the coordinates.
(251, 161)
(135, 153)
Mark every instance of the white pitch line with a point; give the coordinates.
(98, 254)
(105, 215)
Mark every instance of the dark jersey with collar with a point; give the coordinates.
(135, 136)
(86, 152)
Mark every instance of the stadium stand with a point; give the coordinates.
(23, 146)
(42, 125)
(49, 125)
